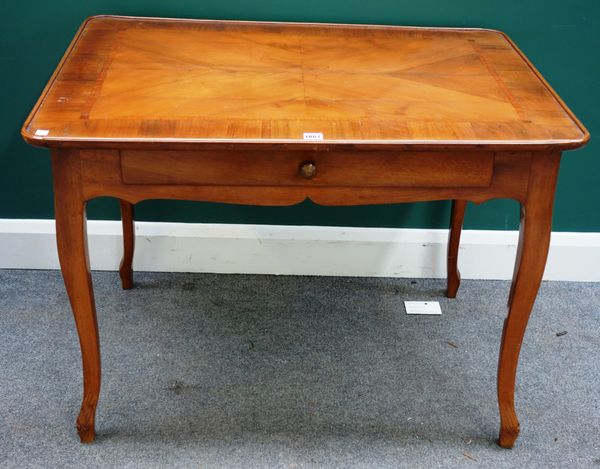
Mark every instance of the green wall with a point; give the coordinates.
(562, 38)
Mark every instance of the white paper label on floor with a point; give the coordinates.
(313, 136)
(422, 307)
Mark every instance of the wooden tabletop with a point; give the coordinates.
(147, 81)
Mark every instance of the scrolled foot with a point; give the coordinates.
(453, 284)
(126, 278)
(87, 434)
(86, 422)
(509, 427)
(508, 436)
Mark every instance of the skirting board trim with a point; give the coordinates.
(299, 250)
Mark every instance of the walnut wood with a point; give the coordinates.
(101, 171)
(456, 221)
(384, 169)
(534, 242)
(169, 82)
(125, 268)
(71, 237)
(215, 111)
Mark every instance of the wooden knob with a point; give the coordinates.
(308, 169)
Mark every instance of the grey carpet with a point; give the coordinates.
(292, 372)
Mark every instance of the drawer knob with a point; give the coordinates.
(308, 170)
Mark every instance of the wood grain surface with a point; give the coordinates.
(354, 169)
(149, 81)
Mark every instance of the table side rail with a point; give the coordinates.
(102, 176)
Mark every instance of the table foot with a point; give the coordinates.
(87, 434)
(509, 431)
(453, 284)
(125, 268)
(456, 221)
(126, 280)
(87, 417)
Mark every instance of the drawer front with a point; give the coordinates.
(341, 169)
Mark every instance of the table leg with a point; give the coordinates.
(534, 242)
(125, 269)
(456, 221)
(71, 239)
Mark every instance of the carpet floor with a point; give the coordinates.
(255, 371)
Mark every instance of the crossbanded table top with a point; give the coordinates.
(149, 81)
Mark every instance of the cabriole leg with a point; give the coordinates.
(534, 242)
(71, 239)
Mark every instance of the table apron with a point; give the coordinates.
(354, 178)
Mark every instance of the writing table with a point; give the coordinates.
(276, 113)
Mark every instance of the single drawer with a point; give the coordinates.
(359, 169)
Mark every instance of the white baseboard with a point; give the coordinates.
(299, 250)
